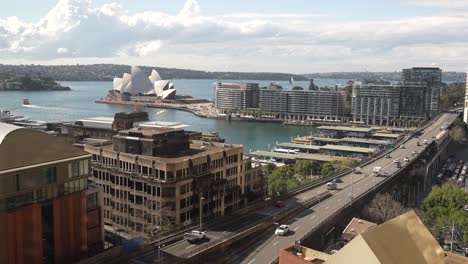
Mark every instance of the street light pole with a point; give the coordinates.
(201, 211)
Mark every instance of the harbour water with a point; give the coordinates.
(79, 103)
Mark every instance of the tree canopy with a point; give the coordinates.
(281, 180)
(306, 167)
(444, 206)
(327, 169)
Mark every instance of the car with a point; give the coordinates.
(406, 159)
(466, 207)
(357, 170)
(331, 185)
(280, 204)
(396, 161)
(386, 173)
(387, 156)
(425, 142)
(337, 180)
(418, 144)
(414, 153)
(282, 230)
(194, 236)
(402, 146)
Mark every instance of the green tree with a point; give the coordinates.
(305, 167)
(278, 179)
(444, 206)
(327, 169)
(297, 88)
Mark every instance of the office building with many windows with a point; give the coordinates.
(157, 180)
(375, 104)
(430, 80)
(48, 211)
(232, 97)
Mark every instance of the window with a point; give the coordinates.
(51, 175)
(92, 200)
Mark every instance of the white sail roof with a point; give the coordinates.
(154, 76)
(117, 84)
(125, 82)
(169, 94)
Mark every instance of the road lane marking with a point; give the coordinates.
(190, 246)
(296, 228)
(276, 243)
(252, 261)
(339, 200)
(312, 217)
(326, 208)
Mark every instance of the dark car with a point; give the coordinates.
(338, 180)
(280, 204)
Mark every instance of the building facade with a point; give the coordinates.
(431, 79)
(375, 104)
(283, 104)
(48, 212)
(235, 96)
(158, 180)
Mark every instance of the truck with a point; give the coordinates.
(194, 236)
(376, 171)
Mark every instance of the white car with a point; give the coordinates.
(386, 173)
(406, 159)
(396, 161)
(402, 146)
(282, 230)
(425, 142)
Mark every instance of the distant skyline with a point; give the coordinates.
(297, 36)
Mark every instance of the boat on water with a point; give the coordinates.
(7, 117)
(212, 136)
(26, 102)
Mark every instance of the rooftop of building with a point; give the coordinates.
(23, 147)
(304, 156)
(346, 128)
(386, 135)
(197, 149)
(403, 239)
(348, 149)
(299, 146)
(355, 227)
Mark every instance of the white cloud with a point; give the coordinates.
(62, 51)
(449, 4)
(146, 48)
(73, 31)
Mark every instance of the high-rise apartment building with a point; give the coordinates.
(48, 211)
(375, 104)
(236, 96)
(159, 179)
(431, 79)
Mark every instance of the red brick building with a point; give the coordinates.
(48, 212)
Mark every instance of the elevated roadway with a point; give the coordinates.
(353, 186)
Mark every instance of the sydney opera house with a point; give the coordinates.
(137, 83)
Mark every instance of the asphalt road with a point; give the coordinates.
(268, 251)
(300, 225)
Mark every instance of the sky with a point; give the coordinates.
(296, 36)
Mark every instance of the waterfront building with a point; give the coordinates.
(157, 179)
(49, 213)
(283, 104)
(375, 104)
(137, 83)
(344, 131)
(430, 79)
(233, 97)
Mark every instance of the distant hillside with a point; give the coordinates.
(106, 72)
(389, 76)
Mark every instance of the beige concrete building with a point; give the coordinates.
(158, 178)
